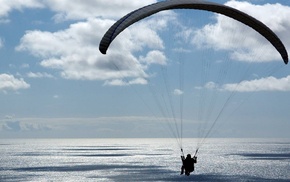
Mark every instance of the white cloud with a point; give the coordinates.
(9, 82)
(9, 116)
(74, 10)
(242, 42)
(121, 82)
(74, 51)
(154, 57)
(177, 92)
(126, 126)
(78, 9)
(18, 126)
(1, 43)
(7, 6)
(211, 85)
(56, 96)
(24, 65)
(263, 84)
(39, 75)
(181, 50)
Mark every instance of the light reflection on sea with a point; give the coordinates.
(142, 160)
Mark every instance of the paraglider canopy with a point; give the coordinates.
(204, 100)
(149, 10)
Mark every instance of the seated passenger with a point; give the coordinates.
(187, 164)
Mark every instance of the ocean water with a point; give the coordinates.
(142, 160)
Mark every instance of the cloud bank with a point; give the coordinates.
(74, 51)
(9, 82)
(264, 84)
(249, 46)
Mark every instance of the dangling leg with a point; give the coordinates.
(182, 170)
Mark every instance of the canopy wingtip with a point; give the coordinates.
(103, 51)
(286, 60)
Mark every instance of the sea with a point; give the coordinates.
(218, 159)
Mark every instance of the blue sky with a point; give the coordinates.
(54, 82)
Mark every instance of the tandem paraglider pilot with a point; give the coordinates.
(188, 164)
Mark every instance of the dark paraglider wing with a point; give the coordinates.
(146, 11)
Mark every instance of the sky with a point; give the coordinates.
(54, 82)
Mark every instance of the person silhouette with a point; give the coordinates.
(187, 164)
